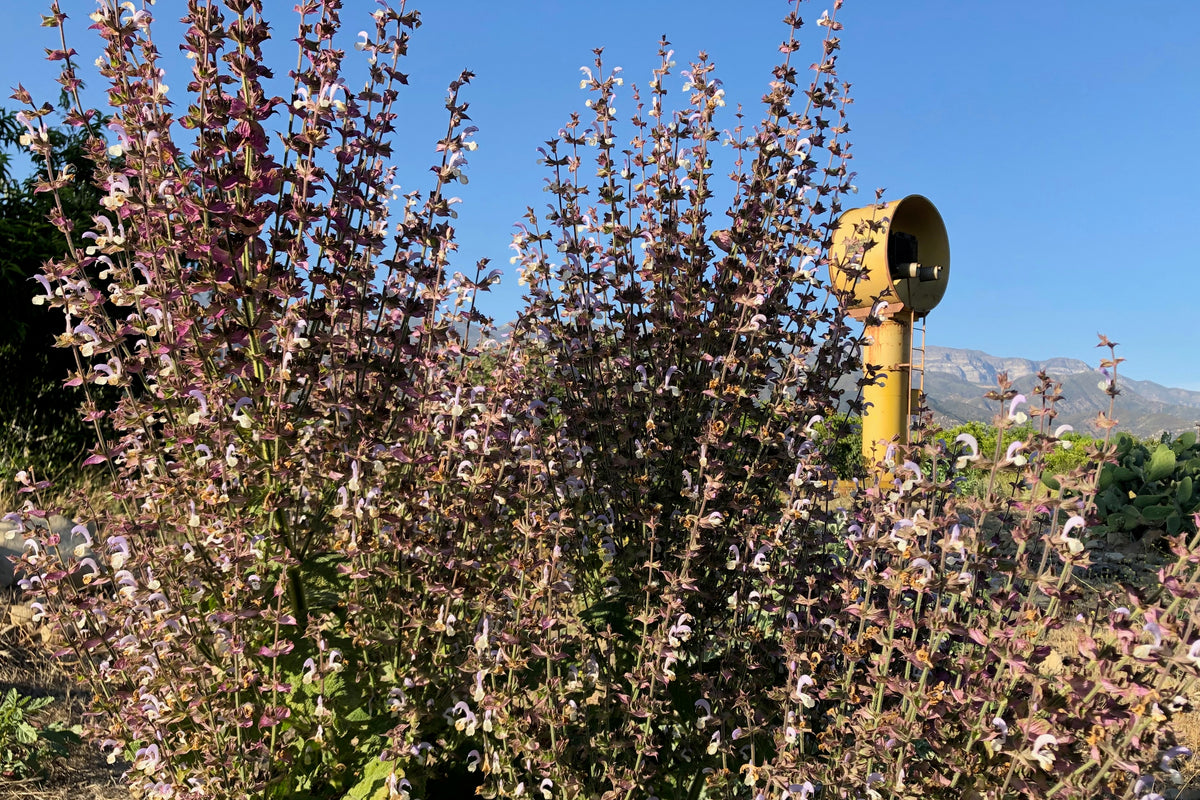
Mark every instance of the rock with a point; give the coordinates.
(20, 615)
(72, 545)
(1119, 539)
(11, 545)
(1152, 536)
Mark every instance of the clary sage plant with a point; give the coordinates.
(360, 543)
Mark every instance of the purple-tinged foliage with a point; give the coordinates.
(285, 408)
(354, 545)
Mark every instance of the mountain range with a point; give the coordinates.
(956, 380)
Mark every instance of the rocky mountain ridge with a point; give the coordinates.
(956, 380)
(975, 366)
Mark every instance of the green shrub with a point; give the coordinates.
(25, 745)
(42, 427)
(840, 441)
(1072, 451)
(1152, 485)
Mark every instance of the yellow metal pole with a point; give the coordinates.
(899, 252)
(887, 417)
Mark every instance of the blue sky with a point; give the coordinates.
(1057, 139)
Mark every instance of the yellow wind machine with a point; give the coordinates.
(892, 262)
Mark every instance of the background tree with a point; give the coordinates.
(42, 428)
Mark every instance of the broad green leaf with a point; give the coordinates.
(1162, 463)
(1157, 513)
(1122, 474)
(373, 784)
(1186, 441)
(1051, 483)
(26, 733)
(1183, 492)
(1147, 500)
(37, 703)
(358, 713)
(1111, 500)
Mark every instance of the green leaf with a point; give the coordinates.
(37, 703)
(1174, 523)
(1183, 491)
(1051, 483)
(613, 612)
(1156, 513)
(1186, 441)
(1147, 500)
(358, 713)
(1123, 474)
(1110, 500)
(1162, 463)
(26, 733)
(372, 785)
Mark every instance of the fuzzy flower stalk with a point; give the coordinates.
(293, 353)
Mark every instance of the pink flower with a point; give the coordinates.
(1045, 757)
(1015, 415)
(972, 445)
(41, 299)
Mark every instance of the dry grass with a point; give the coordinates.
(88, 492)
(1188, 728)
(1064, 648)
